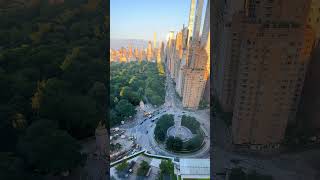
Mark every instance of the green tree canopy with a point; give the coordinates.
(143, 168)
(122, 166)
(49, 149)
(237, 174)
(174, 144)
(191, 123)
(124, 108)
(162, 126)
(166, 169)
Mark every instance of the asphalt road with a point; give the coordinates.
(142, 128)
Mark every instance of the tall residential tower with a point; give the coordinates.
(261, 53)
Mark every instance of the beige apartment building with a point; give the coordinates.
(149, 51)
(194, 81)
(270, 80)
(310, 101)
(261, 53)
(177, 55)
(314, 18)
(187, 57)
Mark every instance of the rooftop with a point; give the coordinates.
(195, 166)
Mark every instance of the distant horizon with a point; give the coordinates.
(158, 17)
(116, 43)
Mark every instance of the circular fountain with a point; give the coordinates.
(179, 131)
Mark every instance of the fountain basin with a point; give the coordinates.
(180, 131)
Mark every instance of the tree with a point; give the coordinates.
(114, 119)
(70, 58)
(124, 108)
(8, 134)
(122, 167)
(194, 142)
(134, 98)
(49, 149)
(13, 167)
(77, 114)
(81, 116)
(174, 143)
(149, 92)
(166, 169)
(162, 126)
(160, 134)
(256, 176)
(191, 123)
(143, 169)
(156, 100)
(124, 91)
(38, 44)
(37, 97)
(237, 174)
(99, 93)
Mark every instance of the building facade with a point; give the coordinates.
(149, 52)
(261, 55)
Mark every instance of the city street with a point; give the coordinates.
(286, 166)
(142, 127)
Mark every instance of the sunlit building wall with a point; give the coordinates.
(256, 77)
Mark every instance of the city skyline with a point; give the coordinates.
(170, 16)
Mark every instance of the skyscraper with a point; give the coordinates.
(194, 82)
(154, 40)
(149, 51)
(136, 53)
(191, 20)
(161, 47)
(196, 33)
(160, 53)
(130, 53)
(169, 51)
(226, 41)
(256, 77)
(206, 27)
(194, 73)
(310, 99)
(314, 19)
(177, 55)
(123, 55)
(197, 21)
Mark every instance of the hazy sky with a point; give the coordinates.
(139, 19)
